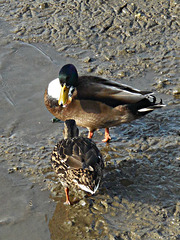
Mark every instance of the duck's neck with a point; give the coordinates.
(70, 129)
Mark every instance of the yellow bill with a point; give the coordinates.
(63, 99)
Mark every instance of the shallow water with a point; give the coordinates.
(139, 195)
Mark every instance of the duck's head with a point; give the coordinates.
(68, 78)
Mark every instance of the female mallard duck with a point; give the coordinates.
(77, 161)
(95, 102)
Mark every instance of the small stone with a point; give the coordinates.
(138, 15)
(86, 59)
(105, 204)
(100, 71)
(82, 203)
(176, 93)
(98, 207)
(160, 85)
(43, 5)
(42, 148)
(111, 237)
(131, 7)
(89, 70)
(121, 74)
(151, 23)
(11, 170)
(115, 204)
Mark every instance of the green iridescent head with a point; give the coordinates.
(68, 75)
(68, 78)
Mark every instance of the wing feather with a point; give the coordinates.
(109, 92)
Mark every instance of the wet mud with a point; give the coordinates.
(133, 43)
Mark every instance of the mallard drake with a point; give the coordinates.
(77, 161)
(94, 102)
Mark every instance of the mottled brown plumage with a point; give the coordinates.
(77, 161)
(96, 102)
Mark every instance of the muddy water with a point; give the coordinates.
(139, 195)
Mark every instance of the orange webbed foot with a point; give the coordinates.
(107, 135)
(90, 134)
(67, 202)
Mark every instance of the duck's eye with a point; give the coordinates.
(67, 78)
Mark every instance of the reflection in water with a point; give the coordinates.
(77, 222)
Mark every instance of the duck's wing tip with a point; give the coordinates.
(86, 188)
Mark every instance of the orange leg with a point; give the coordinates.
(90, 134)
(67, 202)
(107, 136)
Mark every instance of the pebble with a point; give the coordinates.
(86, 59)
(14, 169)
(44, 5)
(82, 203)
(176, 93)
(42, 148)
(121, 74)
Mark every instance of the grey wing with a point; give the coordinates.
(95, 88)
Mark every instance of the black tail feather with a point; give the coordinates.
(145, 106)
